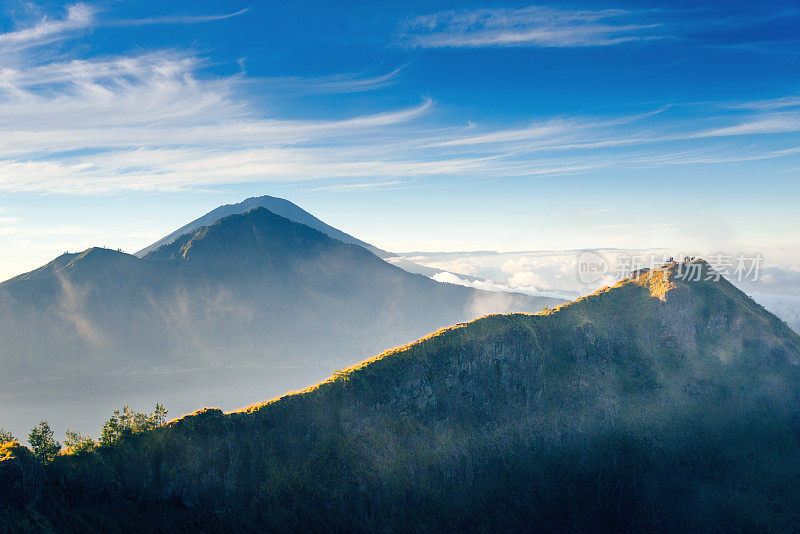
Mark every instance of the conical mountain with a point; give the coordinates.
(251, 289)
(666, 402)
(278, 206)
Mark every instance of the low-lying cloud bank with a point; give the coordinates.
(774, 285)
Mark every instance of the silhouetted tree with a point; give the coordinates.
(159, 415)
(42, 443)
(111, 430)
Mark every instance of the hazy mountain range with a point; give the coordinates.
(662, 403)
(251, 288)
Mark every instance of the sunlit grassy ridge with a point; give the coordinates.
(443, 338)
(608, 300)
(658, 284)
(667, 404)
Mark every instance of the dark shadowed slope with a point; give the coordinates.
(278, 206)
(251, 289)
(658, 404)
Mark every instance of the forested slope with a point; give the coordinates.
(661, 403)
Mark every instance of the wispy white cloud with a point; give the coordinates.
(389, 184)
(544, 131)
(582, 134)
(540, 26)
(158, 121)
(152, 122)
(81, 17)
(175, 19)
(333, 84)
(791, 101)
(773, 123)
(186, 168)
(150, 100)
(77, 17)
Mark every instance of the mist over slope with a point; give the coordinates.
(662, 403)
(278, 206)
(251, 289)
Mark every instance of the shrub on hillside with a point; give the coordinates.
(6, 435)
(78, 443)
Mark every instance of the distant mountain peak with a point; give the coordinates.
(253, 233)
(69, 260)
(278, 206)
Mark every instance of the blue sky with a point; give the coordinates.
(413, 125)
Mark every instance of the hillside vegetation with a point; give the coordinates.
(659, 403)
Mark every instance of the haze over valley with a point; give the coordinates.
(242, 293)
(348, 266)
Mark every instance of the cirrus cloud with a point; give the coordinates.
(77, 17)
(540, 26)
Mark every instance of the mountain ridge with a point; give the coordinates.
(649, 404)
(658, 282)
